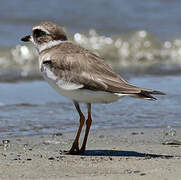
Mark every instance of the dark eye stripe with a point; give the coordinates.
(38, 33)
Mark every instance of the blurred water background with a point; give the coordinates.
(140, 39)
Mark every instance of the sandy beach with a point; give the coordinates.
(142, 153)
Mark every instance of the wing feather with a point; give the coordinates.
(88, 71)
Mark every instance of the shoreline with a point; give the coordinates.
(128, 153)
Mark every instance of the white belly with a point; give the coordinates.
(88, 96)
(75, 93)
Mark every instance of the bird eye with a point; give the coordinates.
(38, 33)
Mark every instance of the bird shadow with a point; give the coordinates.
(123, 154)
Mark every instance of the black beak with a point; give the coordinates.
(26, 38)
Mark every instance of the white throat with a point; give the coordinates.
(48, 45)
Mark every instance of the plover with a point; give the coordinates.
(79, 75)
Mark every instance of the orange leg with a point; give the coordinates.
(75, 146)
(88, 125)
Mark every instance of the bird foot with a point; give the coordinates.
(74, 152)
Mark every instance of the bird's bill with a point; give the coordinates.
(26, 38)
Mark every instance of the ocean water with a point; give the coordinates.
(141, 40)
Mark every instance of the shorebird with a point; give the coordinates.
(79, 75)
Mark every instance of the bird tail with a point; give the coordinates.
(146, 94)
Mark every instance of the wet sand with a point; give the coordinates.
(111, 154)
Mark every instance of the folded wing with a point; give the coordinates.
(88, 71)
